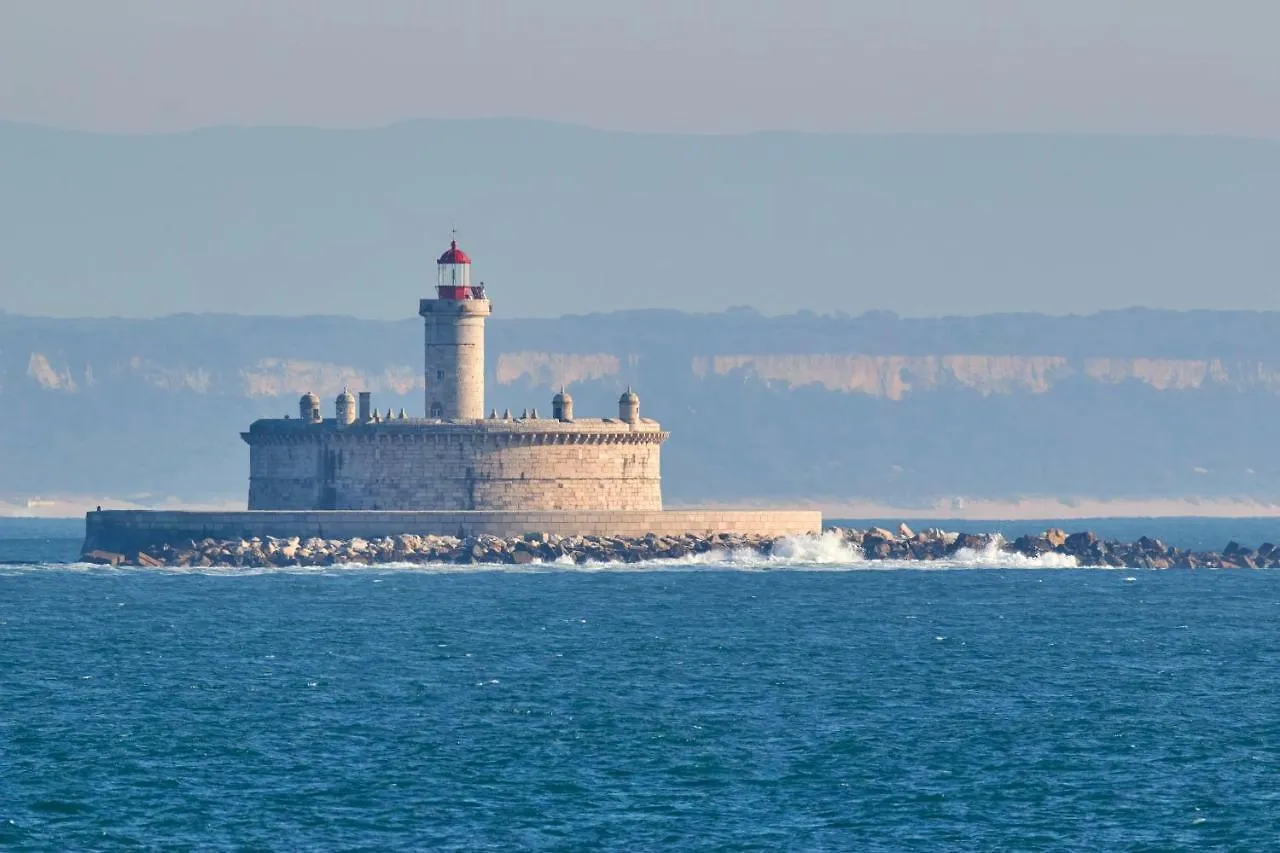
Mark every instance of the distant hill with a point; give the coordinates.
(565, 220)
(1127, 404)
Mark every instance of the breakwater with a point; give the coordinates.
(1053, 547)
(133, 532)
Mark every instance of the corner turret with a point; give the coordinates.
(345, 408)
(309, 408)
(629, 407)
(562, 406)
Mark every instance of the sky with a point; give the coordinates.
(265, 223)
(700, 66)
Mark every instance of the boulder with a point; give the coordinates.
(1151, 546)
(1078, 543)
(103, 558)
(876, 548)
(1033, 546)
(970, 541)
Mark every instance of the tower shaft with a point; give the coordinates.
(454, 361)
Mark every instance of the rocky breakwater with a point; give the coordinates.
(877, 544)
(414, 549)
(1085, 548)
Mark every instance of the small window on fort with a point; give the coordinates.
(439, 374)
(437, 410)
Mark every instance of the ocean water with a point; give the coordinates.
(813, 702)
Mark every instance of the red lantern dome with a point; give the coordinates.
(454, 275)
(454, 255)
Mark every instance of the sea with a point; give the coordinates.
(807, 702)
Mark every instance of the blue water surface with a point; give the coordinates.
(706, 707)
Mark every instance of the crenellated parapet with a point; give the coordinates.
(496, 431)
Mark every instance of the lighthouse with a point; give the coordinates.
(454, 369)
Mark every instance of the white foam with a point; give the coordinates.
(992, 557)
(828, 548)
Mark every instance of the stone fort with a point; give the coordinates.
(457, 457)
(456, 471)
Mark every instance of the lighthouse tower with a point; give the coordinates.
(455, 340)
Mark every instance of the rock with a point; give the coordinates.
(147, 561)
(876, 548)
(1057, 536)
(1078, 543)
(1151, 546)
(103, 558)
(971, 542)
(878, 533)
(521, 557)
(1033, 546)
(905, 532)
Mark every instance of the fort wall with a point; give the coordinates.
(491, 465)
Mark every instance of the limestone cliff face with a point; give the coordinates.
(553, 369)
(284, 377)
(1176, 374)
(894, 377)
(169, 377)
(48, 377)
(266, 377)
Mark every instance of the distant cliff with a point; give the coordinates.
(1131, 404)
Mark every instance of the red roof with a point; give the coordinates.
(454, 255)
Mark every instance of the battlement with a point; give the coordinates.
(581, 431)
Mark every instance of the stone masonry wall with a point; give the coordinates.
(454, 471)
(454, 357)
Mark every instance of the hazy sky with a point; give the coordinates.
(1184, 66)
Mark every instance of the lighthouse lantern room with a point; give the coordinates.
(454, 269)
